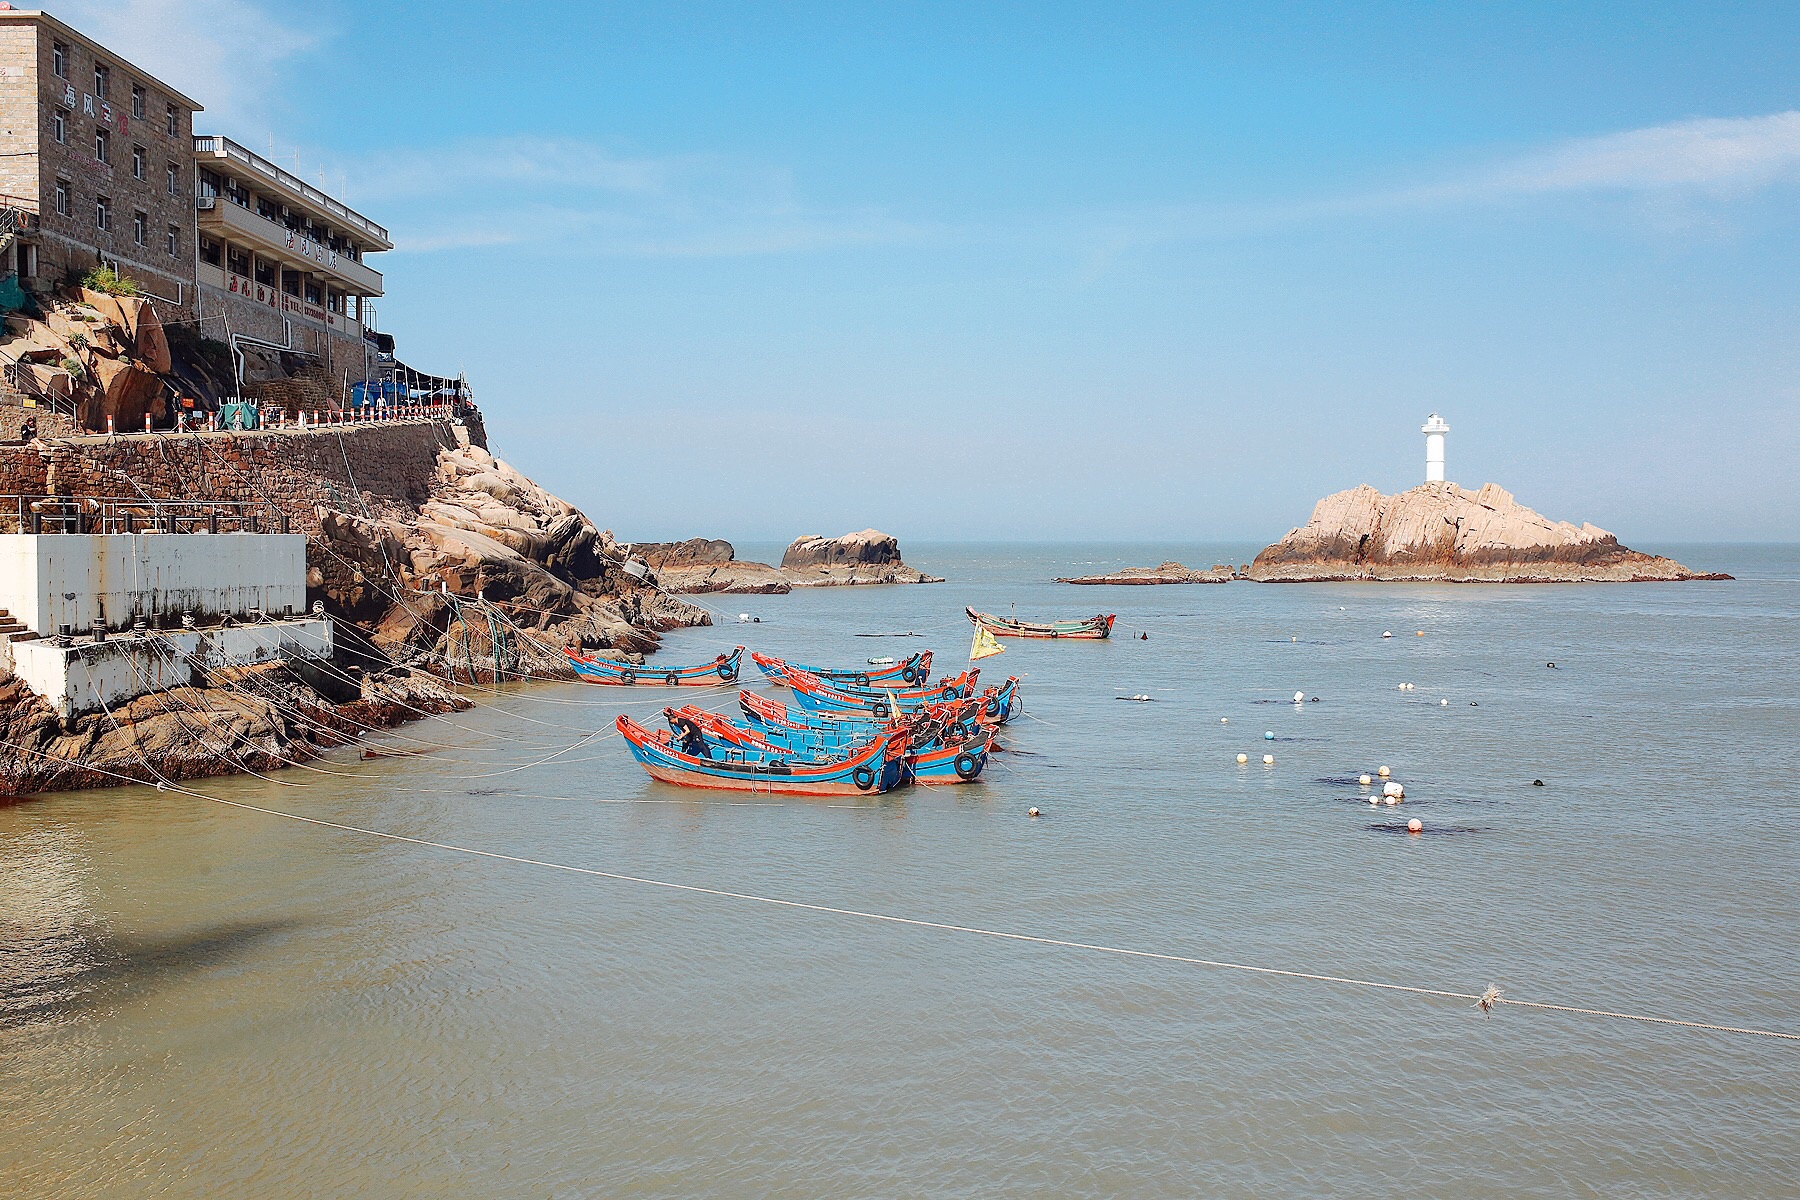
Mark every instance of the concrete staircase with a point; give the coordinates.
(11, 627)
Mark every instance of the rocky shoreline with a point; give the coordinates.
(1167, 573)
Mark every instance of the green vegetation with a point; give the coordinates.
(105, 279)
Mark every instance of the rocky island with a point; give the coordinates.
(1440, 532)
(1169, 572)
(702, 565)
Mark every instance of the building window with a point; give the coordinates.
(140, 227)
(59, 59)
(137, 102)
(265, 272)
(102, 77)
(209, 251)
(267, 209)
(65, 203)
(173, 241)
(137, 162)
(174, 122)
(237, 261)
(102, 213)
(174, 180)
(313, 294)
(290, 282)
(61, 125)
(102, 145)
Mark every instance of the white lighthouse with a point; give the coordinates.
(1434, 430)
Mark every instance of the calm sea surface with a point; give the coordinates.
(197, 1000)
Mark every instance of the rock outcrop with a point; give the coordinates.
(1442, 532)
(106, 354)
(708, 565)
(1169, 572)
(855, 558)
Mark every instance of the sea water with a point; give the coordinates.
(200, 1000)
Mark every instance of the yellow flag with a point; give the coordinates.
(985, 645)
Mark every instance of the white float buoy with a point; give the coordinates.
(1268, 760)
(1299, 697)
(1394, 790)
(1365, 781)
(1442, 703)
(1243, 758)
(1415, 826)
(1268, 735)
(1390, 801)
(1032, 812)
(1387, 633)
(1384, 772)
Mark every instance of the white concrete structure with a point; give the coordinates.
(79, 580)
(1434, 430)
(81, 677)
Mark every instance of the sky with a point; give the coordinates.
(1063, 271)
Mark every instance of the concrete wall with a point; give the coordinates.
(77, 679)
(126, 575)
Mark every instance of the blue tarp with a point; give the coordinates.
(373, 392)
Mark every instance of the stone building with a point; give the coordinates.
(102, 153)
(100, 165)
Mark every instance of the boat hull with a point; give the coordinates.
(1097, 628)
(612, 673)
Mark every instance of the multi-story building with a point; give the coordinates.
(103, 160)
(102, 153)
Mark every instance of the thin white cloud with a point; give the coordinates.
(585, 198)
(1719, 155)
(229, 55)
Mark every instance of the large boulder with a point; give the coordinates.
(871, 547)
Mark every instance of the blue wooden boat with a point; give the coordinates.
(591, 669)
(910, 672)
(941, 753)
(877, 767)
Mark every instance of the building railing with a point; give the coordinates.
(262, 166)
(92, 514)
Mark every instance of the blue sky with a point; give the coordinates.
(1065, 271)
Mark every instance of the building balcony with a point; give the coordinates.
(260, 173)
(222, 218)
(273, 298)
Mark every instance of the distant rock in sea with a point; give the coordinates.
(855, 558)
(1442, 532)
(1169, 572)
(709, 565)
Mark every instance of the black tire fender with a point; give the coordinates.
(863, 778)
(862, 679)
(628, 677)
(967, 766)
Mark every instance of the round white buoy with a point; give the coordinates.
(1393, 789)
(1299, 697)
(1442, 703)
(1415, 826)
(1224, 720)
(1031, 812)
(1374, 801)
(1243, 758)
(1384, 772)
(1365, 781)
(1387, 633)
(1268, 735)
(1390, 801)
(1268, 760)
(1293, 639)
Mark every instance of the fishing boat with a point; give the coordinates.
(1094, 628)
(877, 767)
(912, 671)
(814, 694)
(944, 750)
(591, 669)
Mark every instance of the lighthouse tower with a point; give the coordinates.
(1434, 430)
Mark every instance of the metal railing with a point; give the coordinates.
(98, 514)
(223, 146)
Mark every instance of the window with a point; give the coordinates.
(265, 272)
(290, 282)
(313, 294)
(102, 77)
(267, 209)
(102, 213)
(174, 180)
(65, 203)
(137, 162)
(173, 240)
(61, 124)
(59, 59)
(174, 122)
(140, 227)
(209, 251)
(237, 261)
(102, 145)
(137, 102)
